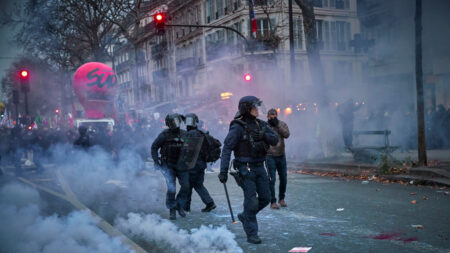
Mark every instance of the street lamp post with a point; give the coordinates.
(421, 147)
(24, 76)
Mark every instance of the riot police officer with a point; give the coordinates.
(197, 174)
(170, 142)
(250, 139)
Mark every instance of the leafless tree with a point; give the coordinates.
(63, 33)
(127, 16)
(313, 50)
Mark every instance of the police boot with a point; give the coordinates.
(173, 214)
(254, 239)
(181, 212)
(241, 219)
(209, 207)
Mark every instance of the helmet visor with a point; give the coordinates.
(259, 105)
(176, 122)
(190, 121)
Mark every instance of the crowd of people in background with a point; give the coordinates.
(18, 142)
(39, 137)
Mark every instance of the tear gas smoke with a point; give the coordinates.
(23, 228)
(94, 177)
(152, 227)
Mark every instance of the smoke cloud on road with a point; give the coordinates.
(152, 227)
(23, 227)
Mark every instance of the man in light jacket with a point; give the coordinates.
(276, 159)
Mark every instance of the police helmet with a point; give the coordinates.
(191, 120)
(247, 103)
(173, 121)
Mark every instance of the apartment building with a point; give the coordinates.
(390, 69)
(190, 62)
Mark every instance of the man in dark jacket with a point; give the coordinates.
(276, 159)
(170, 142)
(197, 174)
(249, 138)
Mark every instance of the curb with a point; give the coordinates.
(419, 175)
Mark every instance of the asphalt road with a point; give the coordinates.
(375, 217)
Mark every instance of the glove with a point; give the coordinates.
(273, 122)
(223, 177)
(257, 136)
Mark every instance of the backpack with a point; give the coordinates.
(212, 148)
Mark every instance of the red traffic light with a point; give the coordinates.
(159, 17)
(24, 74)
(56, 111)
(248, 77)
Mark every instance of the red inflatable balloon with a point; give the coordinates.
(94, 84)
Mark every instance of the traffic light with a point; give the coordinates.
(24, 78)
(160, 23)
(248, 77)
(56, 111)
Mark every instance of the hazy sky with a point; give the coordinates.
(7, 48)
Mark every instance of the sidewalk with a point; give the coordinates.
(343, 165)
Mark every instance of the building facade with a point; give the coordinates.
(390, 69)
(203, 62)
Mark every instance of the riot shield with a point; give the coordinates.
(189, 152)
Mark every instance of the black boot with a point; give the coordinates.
(209, 207)
(253, 239)
(173, 214)
(181, 212)
(241, 218)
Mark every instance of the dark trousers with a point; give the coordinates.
(255, 181)
(170, 175)
(277, 164)
(196, 179)
(347, 133)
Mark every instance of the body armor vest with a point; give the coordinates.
(171, 149)
(247, 147)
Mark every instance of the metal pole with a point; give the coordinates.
(228, 200)
(26, 103)
(17, 113)
(291, 44)
(250, 7)
(421, 147)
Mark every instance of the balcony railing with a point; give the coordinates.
(190, 62)
(123, 65)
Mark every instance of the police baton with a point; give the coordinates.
(229, 204)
